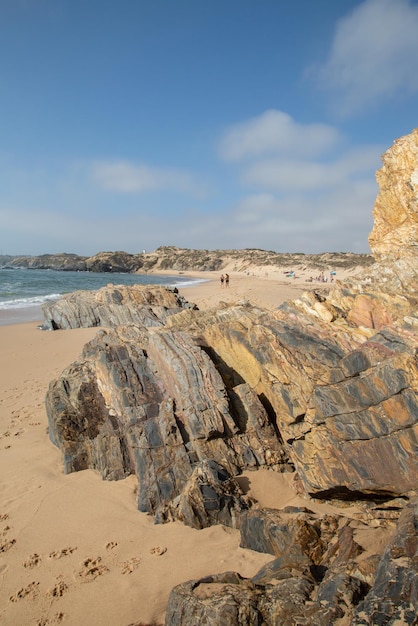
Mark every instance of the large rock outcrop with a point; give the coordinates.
(395, 215)
(114, 262)
(63, 262)
(154, 404)
(324, 387)
(306, 583)
(114, 305)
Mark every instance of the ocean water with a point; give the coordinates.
(23, 291)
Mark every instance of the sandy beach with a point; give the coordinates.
(74, 549)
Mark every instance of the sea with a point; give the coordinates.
(23, 291)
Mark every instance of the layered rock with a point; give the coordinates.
(114, 305)
(153, 404)
(307, 584)
(114, 262)
(64, 262)
(395, 215)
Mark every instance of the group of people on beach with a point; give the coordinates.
(324, 279)
(225, 280)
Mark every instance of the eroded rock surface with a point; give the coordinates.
(113, 305)
(154, 404)
(395, 215)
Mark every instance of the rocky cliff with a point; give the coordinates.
(395, 215)
(168, 258)
(63, 262)
(324, 387)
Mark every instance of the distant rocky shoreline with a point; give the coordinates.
(166, 258)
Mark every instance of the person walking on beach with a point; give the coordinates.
(226, 280)
(222, 280)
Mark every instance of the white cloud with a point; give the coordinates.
(126, 177)
(336, 219)
(275, 132)
(295, 175)
(374, 54)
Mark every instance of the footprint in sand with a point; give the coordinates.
(58, 554)
(7, 544)
(111, 545)
(4, 531)
(30, 591)
(127, 567)
(58, 590)
(91, 569)
(158, 551)
(32, 561)
(56, 619)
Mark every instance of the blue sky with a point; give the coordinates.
(131, 124)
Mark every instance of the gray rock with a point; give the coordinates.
(153, 403)
(113, 305)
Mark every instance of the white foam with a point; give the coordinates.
(22, 303)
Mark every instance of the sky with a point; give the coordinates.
(221, 124)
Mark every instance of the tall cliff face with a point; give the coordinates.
(395, 231)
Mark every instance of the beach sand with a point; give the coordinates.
(74, 549)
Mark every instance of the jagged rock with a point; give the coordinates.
(395, 214)
(360, 433)
(153, 403)
(220, 600)
(64, 262)
(304, 392)
(344, 400)
(210, 496)
(393, 598)
(278, 533)
(289, 590)
(113, 305)
(119, 262)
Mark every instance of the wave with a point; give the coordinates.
(22, 303)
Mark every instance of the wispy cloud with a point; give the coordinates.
(290, 174)
(276, 132)
(373, 56)
(312, 188)
(127, 177)
(335, 220)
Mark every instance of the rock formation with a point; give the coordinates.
(114, 262)
(324, 387)
(395, 215)
(62, 262)
(113, 305)
(182, 259)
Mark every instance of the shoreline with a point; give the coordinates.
(262, 288)
(24, 315)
